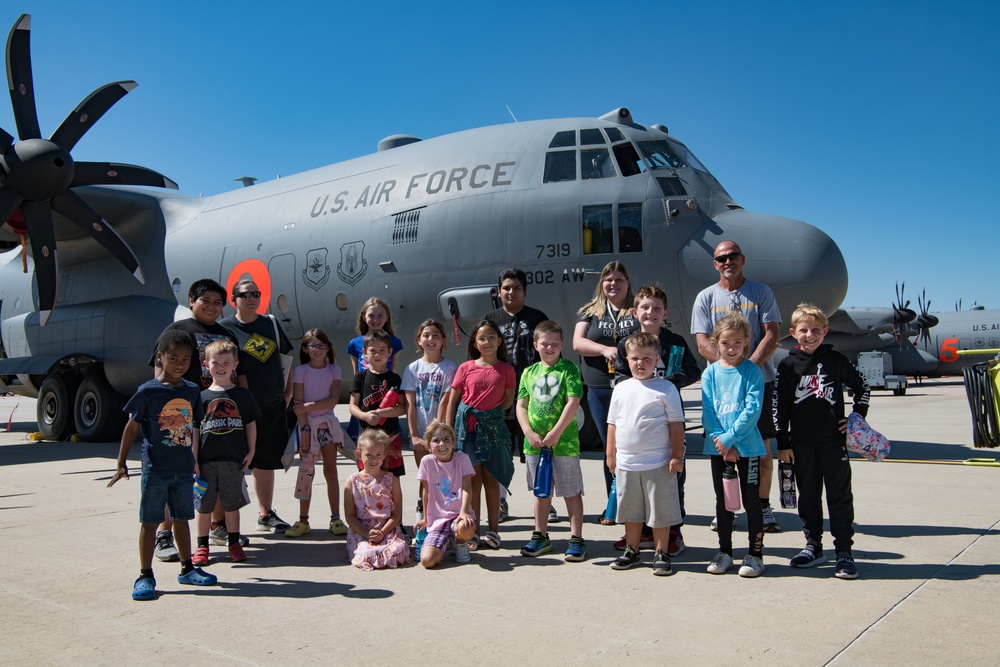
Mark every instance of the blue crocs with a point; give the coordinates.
(144, 589)
(197, 577)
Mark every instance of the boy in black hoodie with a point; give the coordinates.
(811, 432)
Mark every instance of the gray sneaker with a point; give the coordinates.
(219, 536)
(751, 567)
(770, 523)
(165, 549)
(462, 554)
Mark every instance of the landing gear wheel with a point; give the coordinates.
(97, 410)
(53, 408)
(899, 391)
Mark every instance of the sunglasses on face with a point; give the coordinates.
(248, 295)
(722, 259)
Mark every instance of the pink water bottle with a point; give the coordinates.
(731, 487)
(390, 400)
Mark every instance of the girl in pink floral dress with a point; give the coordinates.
(373, 508)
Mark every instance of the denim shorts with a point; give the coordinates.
(175, 491)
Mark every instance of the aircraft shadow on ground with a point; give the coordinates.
(931, 451)
(285, 588)
(45, 451)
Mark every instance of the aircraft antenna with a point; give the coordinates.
(511, 112)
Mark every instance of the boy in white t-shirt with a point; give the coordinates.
(646, 452)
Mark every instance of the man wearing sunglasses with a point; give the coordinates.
(261, 343)
(756, 302)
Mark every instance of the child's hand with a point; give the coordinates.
(548, 441)
(375, 536)
(304, 442)
(785, 455)
(676, 466)
(419, 443)
(533, 439)
(719, 447)
(372, 418)
(246, 460)
(611, 461)
(121, 472)
(843, 425)
(197, 469)
(420, 525)
(300, 409)
(730, 456)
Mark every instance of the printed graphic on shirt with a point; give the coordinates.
(545, 390)
(430, 387)
(259, 347)
(175, 421)
(448, 496)
(221, 417)
(378, 393)
(203, 340)
(726, 403)
(815, 386)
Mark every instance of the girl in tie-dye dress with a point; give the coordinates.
(373, 509)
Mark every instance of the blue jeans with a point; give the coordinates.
(599, 400)
(173, 491)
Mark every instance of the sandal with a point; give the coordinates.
(492, 540)
(144, 589)
(197, 577)
(604, 521)
(474, 543)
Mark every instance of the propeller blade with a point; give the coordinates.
(89, 111)
(6, 141)
(22, 89)
(111, 173)
(38, 219)
(9, 201)
(79, 213)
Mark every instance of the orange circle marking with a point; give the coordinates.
(257, 271)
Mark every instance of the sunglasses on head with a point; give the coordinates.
(248, 295)
(722, 259)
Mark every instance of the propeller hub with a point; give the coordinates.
(37, 169)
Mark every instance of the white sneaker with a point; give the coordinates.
(720, 564)
(752, 566)
(462, 554)
(553, 515)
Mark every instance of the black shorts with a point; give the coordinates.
(272, 436)
(766, 424)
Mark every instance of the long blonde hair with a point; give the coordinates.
(598, 306)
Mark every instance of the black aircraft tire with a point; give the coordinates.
(97, 410)
(53, 409)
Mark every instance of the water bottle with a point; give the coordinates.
(418, 542)
(676, 360)
(731, 487)
(543, 474)
(390, 400)
(200, 486)
(786, 473)
(611, 511)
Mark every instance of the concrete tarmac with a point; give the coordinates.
(927, 549)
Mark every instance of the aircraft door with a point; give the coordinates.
(284, 304)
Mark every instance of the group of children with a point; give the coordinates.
(455, 415)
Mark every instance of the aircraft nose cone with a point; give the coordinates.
(800, 263)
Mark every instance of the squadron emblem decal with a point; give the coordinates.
(353, 264)
(317, 271)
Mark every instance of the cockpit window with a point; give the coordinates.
(591, 137)
(614, 134)
(629, 228)
(688, 157)
(560, 166)
(660, 154)
(629, 161)
(671, 186)
(566, 138)
(596, 163)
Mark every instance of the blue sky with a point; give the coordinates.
(875, 121)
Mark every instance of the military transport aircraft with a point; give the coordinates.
(426, 225)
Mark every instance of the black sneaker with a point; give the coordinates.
(808, 557)
(846, 569)
(626, 560)
(661, 564)
(270, 523)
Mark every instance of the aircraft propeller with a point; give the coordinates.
(36, 175)
(925, 320)
(901, 313)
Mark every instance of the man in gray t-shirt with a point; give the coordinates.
(756, 302)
